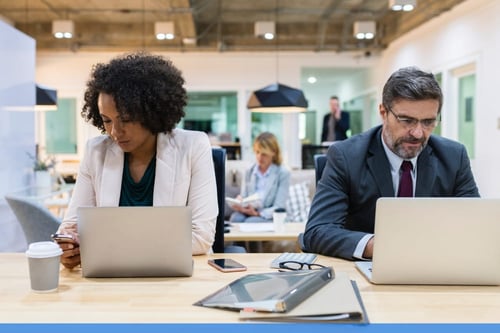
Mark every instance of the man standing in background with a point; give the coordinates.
(335, 123)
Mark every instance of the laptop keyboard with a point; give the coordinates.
(308, 258)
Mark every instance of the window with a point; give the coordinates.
(466, 112)
(215, 113)
(60, 128)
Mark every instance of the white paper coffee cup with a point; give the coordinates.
(279, 216)
(43, 260)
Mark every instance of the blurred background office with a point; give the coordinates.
(225, 58)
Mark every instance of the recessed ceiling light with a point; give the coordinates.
(312, 79)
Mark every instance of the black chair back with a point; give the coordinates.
(319, 165)
(219, 158)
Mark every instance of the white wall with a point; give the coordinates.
(17, 91)
(470, 33)
(241, 72)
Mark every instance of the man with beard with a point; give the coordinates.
(367, 166)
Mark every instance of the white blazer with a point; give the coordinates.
(184, 177)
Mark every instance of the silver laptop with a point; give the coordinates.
(135, 241)
(445, 241)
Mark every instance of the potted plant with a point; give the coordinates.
(42, 167)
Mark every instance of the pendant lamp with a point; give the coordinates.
(277, 98)
(46, 98)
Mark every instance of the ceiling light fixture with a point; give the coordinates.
(364, 29)
(404, 5)
(266, 29)
(62, 28)
(189, 41)
(312, 79)
(164, 30)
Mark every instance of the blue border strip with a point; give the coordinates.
(250, 328)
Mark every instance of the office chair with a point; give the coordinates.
(219, 158)
(37, 222)
(319, 165)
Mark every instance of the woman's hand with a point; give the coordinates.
(70, 257)
(71, 254)
(249, 210)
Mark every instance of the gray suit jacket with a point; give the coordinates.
(357, 173)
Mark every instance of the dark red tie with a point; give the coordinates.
(405, 182)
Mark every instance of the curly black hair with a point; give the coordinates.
(146, 88)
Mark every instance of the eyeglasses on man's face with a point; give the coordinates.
(297, 265)
(411, 123)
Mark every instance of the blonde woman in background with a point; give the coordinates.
(267, 178)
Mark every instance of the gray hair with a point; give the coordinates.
(411, 83)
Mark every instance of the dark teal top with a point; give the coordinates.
(141, 193)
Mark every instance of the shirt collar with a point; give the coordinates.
(257, 172)
(394, 160)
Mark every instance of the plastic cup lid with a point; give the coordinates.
(43, 250)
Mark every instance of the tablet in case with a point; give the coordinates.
(269, 292)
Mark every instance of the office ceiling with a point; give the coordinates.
(216, 25)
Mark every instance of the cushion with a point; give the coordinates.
(298, 202)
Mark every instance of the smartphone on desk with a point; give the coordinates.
(227, 265)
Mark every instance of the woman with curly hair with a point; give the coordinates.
(141, 159)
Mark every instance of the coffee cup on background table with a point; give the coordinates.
(279, 216)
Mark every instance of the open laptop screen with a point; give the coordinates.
(437, 241)
(135, 241)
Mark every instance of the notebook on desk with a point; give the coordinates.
(135, 241)
(446, 241)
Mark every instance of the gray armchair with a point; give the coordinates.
(37, 222)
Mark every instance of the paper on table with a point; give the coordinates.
(338, 301)
(256, 227)
(252, 200)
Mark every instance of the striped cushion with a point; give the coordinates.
(298, 203)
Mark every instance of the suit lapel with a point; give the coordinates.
(166, 160)
(379, 166)
(273, 179)
(426, 172)
(111, 177)
(252, 179)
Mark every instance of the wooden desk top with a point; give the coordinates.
(169, 300)
(290, 232)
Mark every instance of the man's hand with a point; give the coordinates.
(368, 252)
(337, 114)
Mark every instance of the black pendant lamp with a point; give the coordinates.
(277, 98)
(46, 98)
